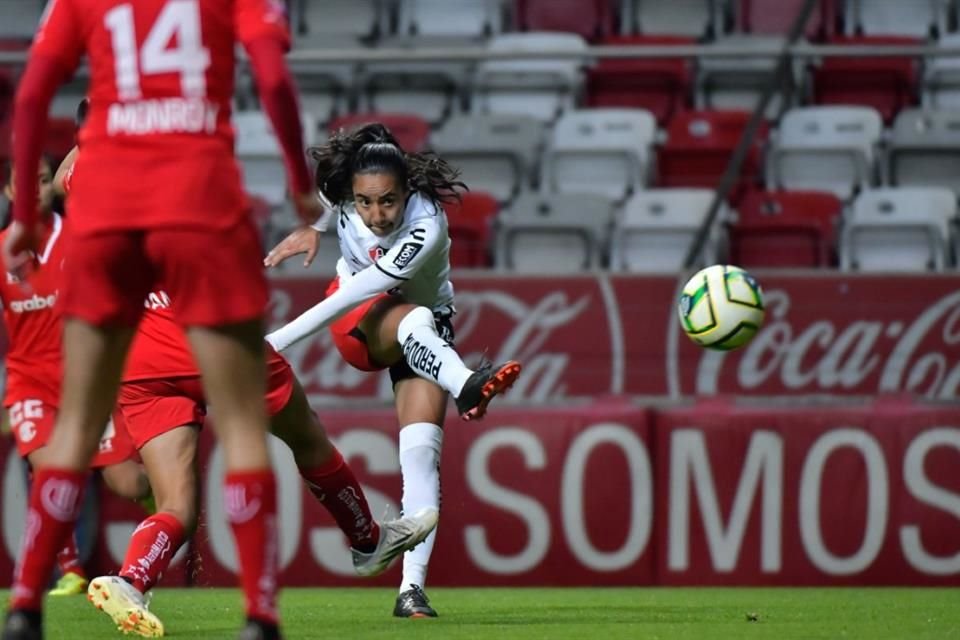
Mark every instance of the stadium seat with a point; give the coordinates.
(917, 18)
(327, 88)
(694, 18)
(410, 130)
(661, 86)
(432, 89)
(461, 18)
(314, 22)
(699, 145)
(941, 84)
(899, 230)
(471, 224)
(737, 82)
(785, 229)
(887, 84)
(553, 234)
(925, 149)
(775, 17)
(542, 88)
(496, 152)
(20, 18)
(602, 151)
(825, 149)
(591, 19)
(260, 157)
(655, 228)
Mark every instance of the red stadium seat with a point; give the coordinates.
(775, 17)
(471, 229)
(785, 229)
(411, 131)
(699, 145)
(886, 84)
(661, 86)
(592, 19)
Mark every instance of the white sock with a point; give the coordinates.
(420, 445)
(429, 355)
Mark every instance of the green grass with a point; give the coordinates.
(580, 614)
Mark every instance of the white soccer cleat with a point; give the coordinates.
(125, 605)
(396, 536)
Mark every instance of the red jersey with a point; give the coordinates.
(160, 349)
(158, 132)
(34, 324)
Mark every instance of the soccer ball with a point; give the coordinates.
(721, 307)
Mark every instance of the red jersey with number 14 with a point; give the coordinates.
(158, 132)
(34, 324)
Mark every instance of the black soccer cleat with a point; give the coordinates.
(413, 603)
(485, 384)
(23, 625)
(259, 630)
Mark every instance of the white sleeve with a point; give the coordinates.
(364, 285)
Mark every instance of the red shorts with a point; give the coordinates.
(32, 421)
(150, 408)
(214, 277)
(350, 341)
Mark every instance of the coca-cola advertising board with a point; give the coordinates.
(614, 494)
(579, 337)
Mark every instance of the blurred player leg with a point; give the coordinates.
(93, 359)
(231, 361)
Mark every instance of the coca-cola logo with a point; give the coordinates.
(917, 353)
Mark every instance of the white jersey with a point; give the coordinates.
(416, 254)
(414, 260)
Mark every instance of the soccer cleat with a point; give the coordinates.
(125, 605)
(396, 536)
(483, 386)
(413, 603)
(23, 625)
(259, 630)
(70, 584)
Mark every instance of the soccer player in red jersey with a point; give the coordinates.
(33, 322)
(157, 200)
(162, 405)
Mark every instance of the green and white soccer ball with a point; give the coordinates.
(721, 307)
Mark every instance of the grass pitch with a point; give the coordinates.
(551, 614)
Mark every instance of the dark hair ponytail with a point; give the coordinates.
(373, 149)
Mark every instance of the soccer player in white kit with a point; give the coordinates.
(391, 304)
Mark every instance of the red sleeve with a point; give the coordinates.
(60, 34)
(279, 99)
(39, 82)
(255, 19)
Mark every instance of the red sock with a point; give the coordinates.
(151, 549)
(337, 489)
(54, 505)
(250, 501)
(68, 559)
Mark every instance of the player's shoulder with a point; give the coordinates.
(421, 211)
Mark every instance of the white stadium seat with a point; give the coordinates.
(899, 230)
(20, 18)
(918, 18)
(552, 233)
(602, 151)
(541, 87)
(314, 21)
(654, 230)
(826, 149)
(261, 158)
(462, 18)
(496, 153)
(675, 17)
(942, 77)
(925, 149)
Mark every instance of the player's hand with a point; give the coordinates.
(308, 206)
(19, 250)
(303, 240)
